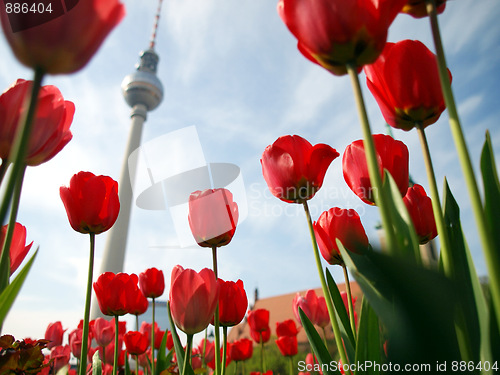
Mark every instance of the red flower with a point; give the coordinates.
(206, 348)
(60, 355)
(418, 9)
(345, 225)
(241, 350)
(294, 169)
(193, 298)
(170, 340)
(152, 283)
(50, 130)
(260, 336)
(233, 302)
(269, 372)
(18, 249)
(346, 305)
(336, 33)
(135, 342)
(66, 43)
(91, 202)
(405, 82)
(54, 333)
(104, 331)
(138, 302)
(391, 155)
(75, 342)
(322, 315)
(419, 205)
(258, 320)
(115, 292)
(213, 216)
(308, 304)
(286, 328)
(287, 345)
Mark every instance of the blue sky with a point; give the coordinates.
(232, 70)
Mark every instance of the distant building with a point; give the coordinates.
(281, 308)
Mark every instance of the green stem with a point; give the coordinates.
(324, 337)
(153, 341)
(262, 359)
(20, 145)
(216, 318)
(5, 257)
(446, 254)
(86, 317)
(349, 299)
(3, 169)
(136, 364)
(103, 354)
(371, 160)
(236, 367)
(187, 356)
(291, 365)
(491, 254)
(224, 349)
(115, 356)
(326, 293)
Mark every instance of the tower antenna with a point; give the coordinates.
(155, 26)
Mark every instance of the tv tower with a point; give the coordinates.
(143, 92)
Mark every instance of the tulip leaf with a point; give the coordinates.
(406, 237)
(10, 293)
(345, 326)
(127, 365)
(163, 359)
(368, 347)
(179, 350)
(414, 304)
(491, 192)
(96, 364)
(468, 285)
(318, 346)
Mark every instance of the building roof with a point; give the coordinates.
(280, 308)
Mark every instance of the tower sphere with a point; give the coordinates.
(143, 86)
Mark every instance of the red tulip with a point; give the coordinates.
(170, 340)
(193, 298)
(152, 283)
(213, 216)
(50, 130)
(286, 328)
(115, 292)
(18, 248)
(269, 372)
(233, 302)
(341, 224)
(103, 331)
(308, 304)
(287, 345)
(418, 8)
(336, 33)
(54, 333)
(260, 336)
(138, 302)
(60, 356)
(91, 202)
(66, 43)
(135, 342)
(241, 350)
(211, 364)
(405, 82)
(391, 155)
(294, 169)
(322, 315)
(419, 205)
(258, 320)
(75, 342)
(206, 349)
